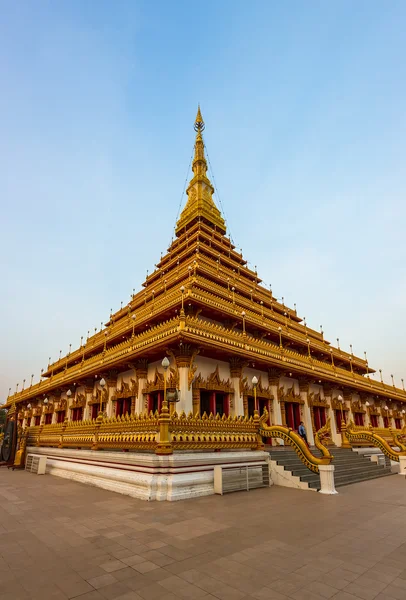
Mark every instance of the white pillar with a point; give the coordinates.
(185, 403)
(235, 376)
(141, 372)
(276, 417)
(307, 417)
(273, 380)
(402, 465)
(327, 479)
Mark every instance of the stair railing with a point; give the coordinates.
(294, 440)
(366, 435)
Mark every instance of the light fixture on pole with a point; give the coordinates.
(243, 322)
(308, 347)
(386, 407)
(182, 291)
(45, 401)
(102, 383)
(393, 381)
(338, 343)
(254, 385)
(280, 337)
(165, 365)
(340, 400)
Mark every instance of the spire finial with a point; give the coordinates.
(199, 123)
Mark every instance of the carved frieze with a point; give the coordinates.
(357, 407)
(213, 382)
(79, 401)
(248, 390)
(127, 390)
(315, 399)
(288, 395)
(157, 384)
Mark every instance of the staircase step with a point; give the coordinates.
(350, 467)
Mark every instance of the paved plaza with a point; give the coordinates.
(61, 539)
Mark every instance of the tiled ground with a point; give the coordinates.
(60, 539)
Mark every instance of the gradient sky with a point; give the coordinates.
(304, 103)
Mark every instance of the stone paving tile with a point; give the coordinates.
(74, 541)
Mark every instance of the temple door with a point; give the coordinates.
(95, 410)
(205, 403)
(316, 417)
(251, 406)
(292, 412)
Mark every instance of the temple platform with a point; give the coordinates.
(146, 476)
(61, 540)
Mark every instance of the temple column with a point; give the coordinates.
(186, 368)
(196, 401)
(276, 418)
(141, 372)
(235, 373)
(307, 417)
(328, 395)
(88, 391)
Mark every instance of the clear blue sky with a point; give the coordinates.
(304, 104)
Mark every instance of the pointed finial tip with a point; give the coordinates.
(199, 123)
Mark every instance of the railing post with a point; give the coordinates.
(260, 443)
(326, 473)
(60, 445)
(99, 421)
(39, 435)
(345, 443)
(164, 445)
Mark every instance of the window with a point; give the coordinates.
(386, 422)
(61, 416)
(48, 418)
(205, 403)
(123, 406)
(359, 419)
(374, 421)
(77, 414)
(37, 420)
(398, 423)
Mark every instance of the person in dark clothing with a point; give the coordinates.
(302, 433)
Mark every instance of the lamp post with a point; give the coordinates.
(243, 322)
(182, 291)
(254, 385)
(308, 347)
(165, 364)
(102, 383)
(340, 400)
(280, 337)
(393, 381)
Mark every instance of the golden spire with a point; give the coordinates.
(200, 204)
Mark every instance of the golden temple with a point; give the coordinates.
(206, 310)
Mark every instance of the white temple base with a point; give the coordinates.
(145, 476)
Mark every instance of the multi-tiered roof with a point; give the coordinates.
(203, 293)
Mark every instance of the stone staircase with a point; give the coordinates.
(350, 467)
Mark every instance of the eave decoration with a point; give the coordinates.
(127, 390)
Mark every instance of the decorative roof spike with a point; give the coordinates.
(200, 206)
(199, 123)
